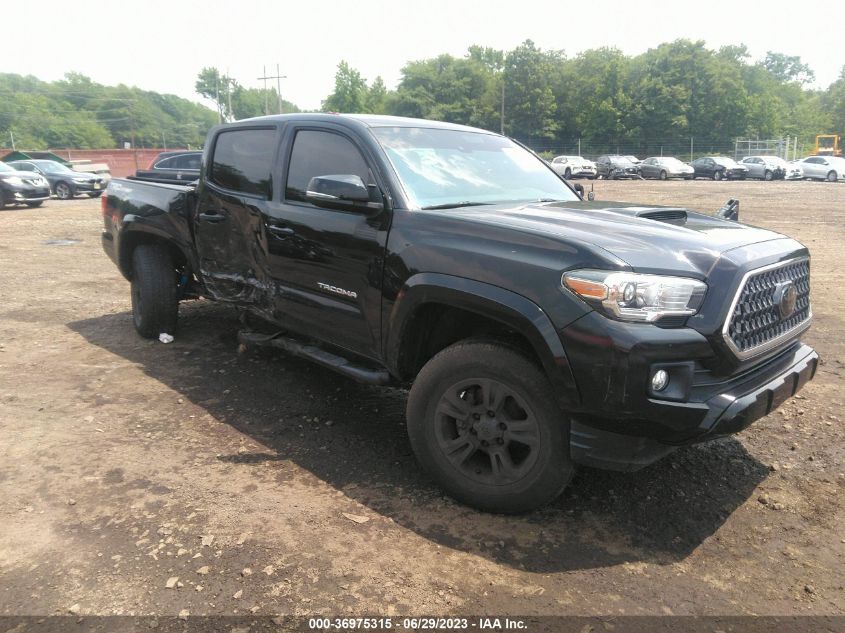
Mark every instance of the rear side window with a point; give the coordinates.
(189, 161)
(317, 153)
(243, 160)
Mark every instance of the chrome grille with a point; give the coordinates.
(755, 323)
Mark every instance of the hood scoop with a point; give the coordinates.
(670, 216)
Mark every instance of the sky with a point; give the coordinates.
(161, 46)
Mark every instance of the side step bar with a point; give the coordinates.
(320, 356)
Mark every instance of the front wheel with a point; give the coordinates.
(663, 175)
(63, 191)
(483, 421)
(831, 176)
(768, 175)
(717, 175)
(567, 174)
(155, 306)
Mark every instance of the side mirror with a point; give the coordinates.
(579, 189)
(341, 191)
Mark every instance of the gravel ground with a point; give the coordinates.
(139, 478)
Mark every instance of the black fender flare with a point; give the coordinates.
(134, 230)
(507, 307)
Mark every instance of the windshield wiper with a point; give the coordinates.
(456, 205)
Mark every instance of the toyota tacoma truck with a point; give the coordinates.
(535, 330)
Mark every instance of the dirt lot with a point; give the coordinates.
(126, 464)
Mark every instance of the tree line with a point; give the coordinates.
(76, 112)
(656, 101)
(664, 97)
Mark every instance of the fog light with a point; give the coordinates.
(659, 380)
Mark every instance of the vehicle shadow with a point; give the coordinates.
(353, 438)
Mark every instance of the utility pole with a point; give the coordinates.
(502, 115)
(12, 135)
(229, 95)
(217, 96)
(690, 148)
(278, 77)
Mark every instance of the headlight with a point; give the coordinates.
(13, 180)
(633, 297)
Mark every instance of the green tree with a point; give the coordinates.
(350, 91)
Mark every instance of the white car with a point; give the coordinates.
(766, 167)
(574, 167)
(663, 167)
(830, 168)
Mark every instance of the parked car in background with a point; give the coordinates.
(830, 168)
(794, 171)
(613, 166)
(663, 167)
(97, 169)
(574, 167)
(22, 187)
(765, 167)
(64, 181)
(719, 168)
(178, 167)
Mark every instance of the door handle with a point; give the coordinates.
(280, 231)
(212, 216)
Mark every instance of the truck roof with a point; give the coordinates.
(368, 120)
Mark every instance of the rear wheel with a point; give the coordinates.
(482, 419)
(154, 301)
(831, 176)
(63, 191)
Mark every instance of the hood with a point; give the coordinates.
(673, 240)
(26, 175)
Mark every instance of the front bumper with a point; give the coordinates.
(26, 193)
(619, 425)
(88, 187)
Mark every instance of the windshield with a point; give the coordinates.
(670, 162)
(622, 161)
(52, 167)
(452, 168)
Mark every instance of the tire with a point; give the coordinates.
(663, 175)
(63, 191)
(479, 459)
(831, 176)
(33, 205)
(717, 175)
(567, 174)
(95, 194)
(155, 306)
(768, 175)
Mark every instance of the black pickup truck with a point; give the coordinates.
(535, 329)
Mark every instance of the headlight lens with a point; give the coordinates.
(634, 297)
(13, 180)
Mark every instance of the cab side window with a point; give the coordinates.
(318, 153)
(243, 160)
